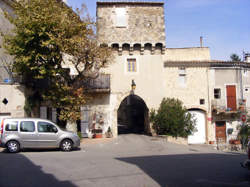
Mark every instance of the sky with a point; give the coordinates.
(224, 24)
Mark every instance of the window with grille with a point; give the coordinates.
(217, 94)
(131, 65)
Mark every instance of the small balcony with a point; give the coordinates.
(101, 84)
(220, 106)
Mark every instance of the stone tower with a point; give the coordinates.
(126, 25)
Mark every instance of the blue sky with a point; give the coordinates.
(224, 24)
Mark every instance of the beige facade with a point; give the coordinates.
(187, 54)
(145, 46)
(136, 33)
(12, 97)
(236, 76)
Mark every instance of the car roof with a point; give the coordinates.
(27, 119)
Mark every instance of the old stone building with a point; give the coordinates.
(144, 71)
(12, 98)
(230, 101)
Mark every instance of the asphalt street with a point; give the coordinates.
(130, 160)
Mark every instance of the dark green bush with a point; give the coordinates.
(172, 118)
(79, 134)
(244, 135)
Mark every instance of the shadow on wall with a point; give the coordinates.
(21, 172)
(193, 169)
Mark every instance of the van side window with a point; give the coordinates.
(46, 127)
(27, 126)
(11, 126)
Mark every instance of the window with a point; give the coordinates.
(46, 127)
(132, 66)
(27, 126)
(182, 77)
(217, 93)
(121, 18)
(11, 126)
(202, 101)
(245, 72)
(247, 89)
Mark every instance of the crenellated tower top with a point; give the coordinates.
(131, 24)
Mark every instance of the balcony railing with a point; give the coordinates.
(220, 106)
(99, 84)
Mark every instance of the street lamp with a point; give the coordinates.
(133, 85)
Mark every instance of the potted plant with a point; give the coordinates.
(109, 133)
(97, 133)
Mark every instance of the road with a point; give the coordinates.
(129, 161)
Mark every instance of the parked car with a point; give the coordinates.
(19, 133)
(246, 163)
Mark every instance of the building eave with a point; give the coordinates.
(211, 64)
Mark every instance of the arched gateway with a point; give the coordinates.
(132, 115)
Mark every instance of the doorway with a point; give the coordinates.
(220, 130)
(132, 115)
(199, 136)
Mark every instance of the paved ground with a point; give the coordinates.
(130, 160)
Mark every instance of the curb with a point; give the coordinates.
(95, 140)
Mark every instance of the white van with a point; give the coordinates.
(18, 133)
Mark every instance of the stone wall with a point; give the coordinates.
(14, 94)
(144, 23)
(187, 54)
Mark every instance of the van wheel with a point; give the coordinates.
(66, 145)
(13, 146)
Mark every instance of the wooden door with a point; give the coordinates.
(231, 97)
(221, 131)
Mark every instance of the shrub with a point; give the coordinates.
(79, 134)
(244, 135)
(172, 118)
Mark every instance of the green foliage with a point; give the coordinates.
(235, 58)
(46, 32)
(79, 134)
(244, 134)
(172, 119)
(30, 103)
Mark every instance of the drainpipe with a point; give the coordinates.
(209, 106)
(241, 85)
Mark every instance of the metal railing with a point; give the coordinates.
(221, 105)
(102, 82)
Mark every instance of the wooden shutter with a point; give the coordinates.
(231, 97)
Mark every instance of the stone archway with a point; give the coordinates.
(132, 115)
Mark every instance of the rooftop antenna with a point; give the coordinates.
(201, 41)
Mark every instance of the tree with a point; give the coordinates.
(48, 37)
(235, 58)
(172, 119)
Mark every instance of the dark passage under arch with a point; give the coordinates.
(132, 115)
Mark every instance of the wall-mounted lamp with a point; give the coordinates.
(133, 85)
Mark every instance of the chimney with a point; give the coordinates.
(201, 41)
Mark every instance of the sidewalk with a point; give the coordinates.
(86, 141)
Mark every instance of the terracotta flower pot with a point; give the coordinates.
(231, 141)
(99, 135)
(236, 142)
(211, 142)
